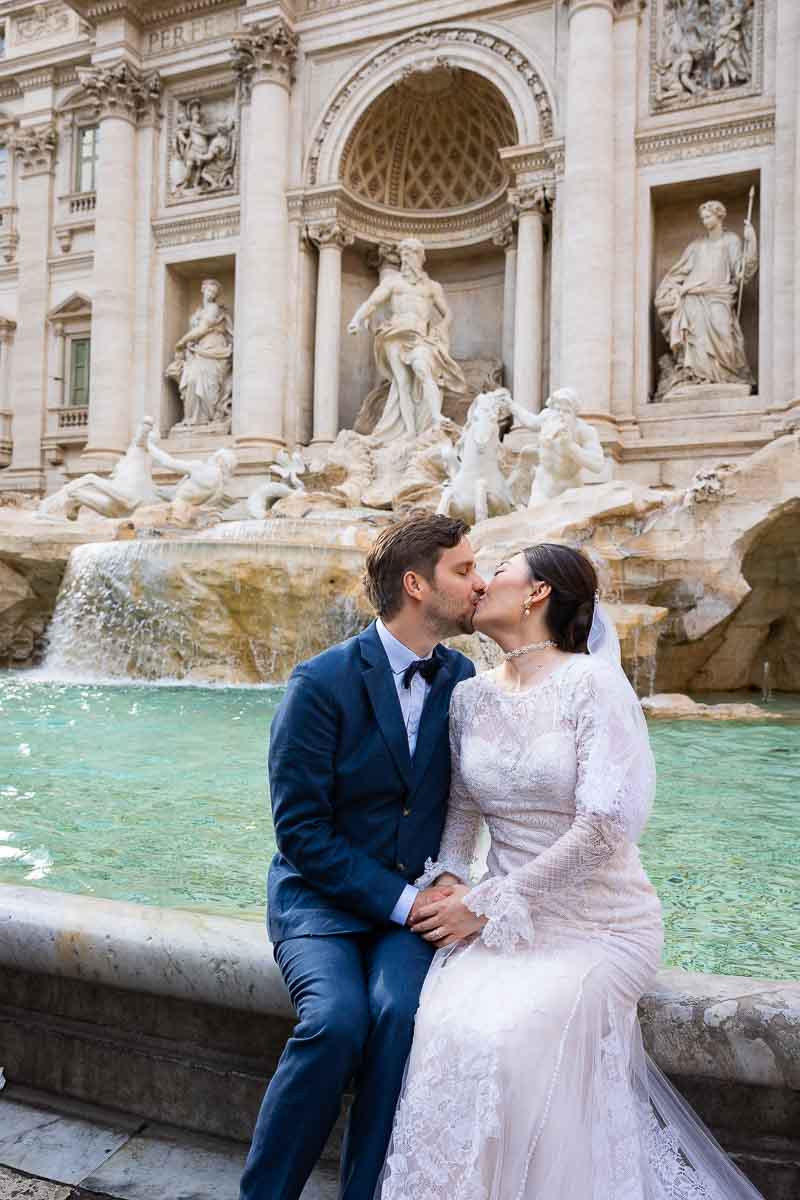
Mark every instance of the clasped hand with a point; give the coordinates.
(440, 916)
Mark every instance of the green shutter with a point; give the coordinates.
(79, 372)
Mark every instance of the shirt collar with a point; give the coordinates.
(397, 652)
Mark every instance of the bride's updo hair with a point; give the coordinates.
(573, 583)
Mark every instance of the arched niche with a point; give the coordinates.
(481, 50)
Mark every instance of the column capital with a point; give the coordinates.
(506, 238)
(537, 197)
(264, 53)
(121, 91)
(35, 146)
(330, 233)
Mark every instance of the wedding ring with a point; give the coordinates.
(437, 933)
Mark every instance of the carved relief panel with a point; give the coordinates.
(202, 142)
(705, 51)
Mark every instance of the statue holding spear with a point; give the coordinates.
(699, 303)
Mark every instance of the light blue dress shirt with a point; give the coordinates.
(412, 701)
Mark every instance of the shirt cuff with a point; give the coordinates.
(404, 904)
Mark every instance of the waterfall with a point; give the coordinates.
(208, 611)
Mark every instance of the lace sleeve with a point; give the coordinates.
(462, 825)
(613, 793)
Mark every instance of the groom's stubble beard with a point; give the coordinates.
(446, 617)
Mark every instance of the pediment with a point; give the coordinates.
(76, 305)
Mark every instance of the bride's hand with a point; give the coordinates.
(447, 921)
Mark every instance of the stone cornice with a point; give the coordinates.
(377, 225)
(35, 147)
(534, 164)
(200, 228)
(29, 81)
(697, 141)
(182, 8)
(264, 53)
(330, 233)
(120, 91)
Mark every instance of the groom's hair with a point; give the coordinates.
(413, 544)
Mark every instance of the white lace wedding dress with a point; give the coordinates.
(527, 1079)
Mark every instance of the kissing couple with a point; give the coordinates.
(487, 1029)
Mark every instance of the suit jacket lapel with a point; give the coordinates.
(380, 685)
(434, 719)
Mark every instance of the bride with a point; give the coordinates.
(527, 1079)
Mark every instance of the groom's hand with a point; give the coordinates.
(424, 900)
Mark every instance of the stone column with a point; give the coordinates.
(331, 240)
(35, 148)
(506, 240)
(588, 216)
(263, 58)
(531, 204)
(121, 98)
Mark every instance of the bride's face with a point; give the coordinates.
(501, 605)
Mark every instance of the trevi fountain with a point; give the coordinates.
(275, 276)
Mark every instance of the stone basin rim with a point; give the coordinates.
(735, 1027)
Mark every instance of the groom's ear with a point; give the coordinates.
(413, 585)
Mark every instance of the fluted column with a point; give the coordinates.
(531, 204)
(121, 97)
(35, 149)
(588, 216)
(263, 59)
(506, 240)
(331, 240)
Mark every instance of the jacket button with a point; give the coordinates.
(406, 812)
(401, 866)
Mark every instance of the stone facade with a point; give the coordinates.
(550, 154)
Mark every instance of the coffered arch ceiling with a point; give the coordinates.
(430, 142)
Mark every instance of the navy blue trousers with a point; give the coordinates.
(355, 995)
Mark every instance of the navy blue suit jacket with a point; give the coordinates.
(355, 818)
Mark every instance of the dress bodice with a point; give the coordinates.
(563, 777)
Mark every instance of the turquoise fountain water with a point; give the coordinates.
(159, 795)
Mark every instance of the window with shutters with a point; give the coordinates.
(86, 158)
(80, 356)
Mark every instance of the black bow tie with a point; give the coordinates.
(427, 668)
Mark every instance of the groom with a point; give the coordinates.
(359, 769)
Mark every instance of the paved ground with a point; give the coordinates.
(53, 1149)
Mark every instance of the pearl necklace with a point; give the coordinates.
(527, 649)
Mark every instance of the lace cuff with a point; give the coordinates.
(509, 926)
(442, 866)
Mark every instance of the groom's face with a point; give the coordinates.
(456, 588)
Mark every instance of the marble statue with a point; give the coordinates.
(704, 49)
(412, 347)
(204, 155)
(697, 302)
(129, 485)
(478, 488)
(568, 446)
(289, 468)
(203, 483)
(203, 363)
